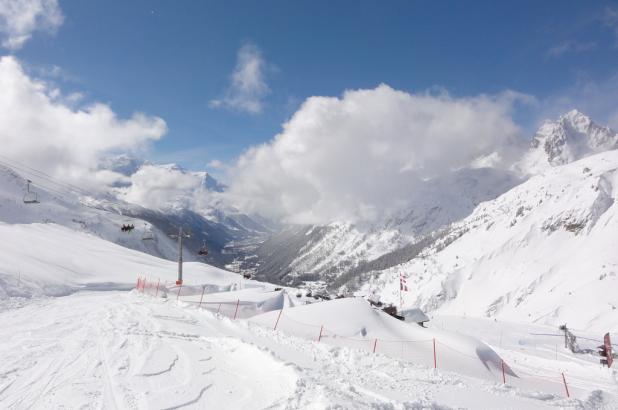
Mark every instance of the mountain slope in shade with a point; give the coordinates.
(545, 251)
(573, 136)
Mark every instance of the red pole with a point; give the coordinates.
(565, 386)
(375, 343)
(202, 297)
(236, 311)
(503, 375)
(178, 295)
(278, 317)
(320, 336)
(435, 363)
(157, 292)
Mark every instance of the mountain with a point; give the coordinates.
(104, 214)
(325, 252)
(573, 136)
(544, 252)
(340, 253)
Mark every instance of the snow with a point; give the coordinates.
(52, 260)
(113, 348)
(75, 334)
(544, 252)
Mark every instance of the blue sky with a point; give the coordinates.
(173, 58)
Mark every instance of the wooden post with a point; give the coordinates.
(375, 344)
(435, 363)
(503, 375)
(565, 385)
(202, 297)
(278, 317)
(320, 336)
(236, 311)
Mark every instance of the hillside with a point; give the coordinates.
(543, 252)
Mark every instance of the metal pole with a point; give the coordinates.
(179, 282)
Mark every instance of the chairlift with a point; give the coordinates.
(147, 235)
(203, 250)
(30, 197)
(127, 226)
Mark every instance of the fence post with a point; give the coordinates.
(503, 375)
(278, 317)
(236, 311)
(565, 385)
(320, 336)
(178, 295)
(158, 281)
(202, 297)
(375, 344)
(435, 363)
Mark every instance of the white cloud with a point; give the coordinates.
(570, 47)
(39, 128)
(248, 86)
(354, 157)
(19, 19)
(162, 187)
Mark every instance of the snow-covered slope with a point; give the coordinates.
(573, 136)
(61, 206)
(544, 252)
(48, 259)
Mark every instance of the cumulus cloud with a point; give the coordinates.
(248, 86)
(19, 19)
(164, 186)
(39, 128)
(355, 157)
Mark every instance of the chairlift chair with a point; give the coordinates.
(30, 197)
(147, 235)
(203, 250)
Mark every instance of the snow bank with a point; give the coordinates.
(352, 322)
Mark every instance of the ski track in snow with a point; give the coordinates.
(105, 350)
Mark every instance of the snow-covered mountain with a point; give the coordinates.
(573, 136)
(338, 253)
(103, 215)
(543, 252)
(301, 253)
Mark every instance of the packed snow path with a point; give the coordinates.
(128, 351)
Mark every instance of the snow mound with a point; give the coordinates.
(352, 322)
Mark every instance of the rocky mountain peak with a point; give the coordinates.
(571, 137)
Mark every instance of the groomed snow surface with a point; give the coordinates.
(75, 334)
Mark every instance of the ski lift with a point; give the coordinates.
(127, 226)
(30, 197)
(147, 235)
(203, 250)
